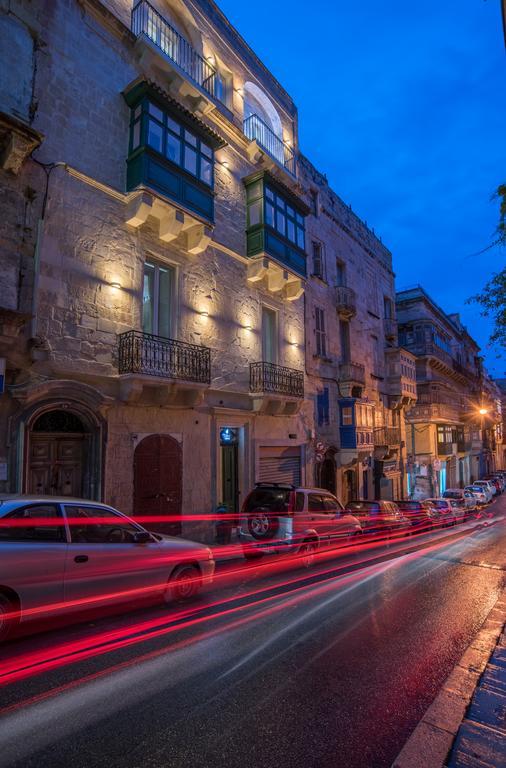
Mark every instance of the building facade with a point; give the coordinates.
(450, 429)
(186, 307)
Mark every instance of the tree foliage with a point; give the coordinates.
(492, 298)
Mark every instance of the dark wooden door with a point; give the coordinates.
(158, 482)
(55, 464)
(230, 489)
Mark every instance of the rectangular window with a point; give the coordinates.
(158, 299)
(340, 273)
(269, 335)
(168, 137)
(322, 406)
(344, 333)
(283, 218)
(320, 333)
(347, 416)
(317, 259)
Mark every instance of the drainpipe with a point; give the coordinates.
(47, 168)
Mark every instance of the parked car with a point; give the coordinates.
(466, 500)
(280, 519)
(490, 490)
(378, 516)
(58, 554)
(447, 513)
(479, 494)
(496, 481)
(422, 514)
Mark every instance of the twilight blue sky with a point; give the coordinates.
(403, 106)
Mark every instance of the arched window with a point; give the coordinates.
(262, 122)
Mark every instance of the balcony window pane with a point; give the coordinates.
(300, 219)
(173, 126)
(254, 213)
(148, 298)
(137, 112)
(155, 112)
(290, 211)
(269, 214)
(207, 151)
(347, 415)
(190, 160)
(136, 134)
(155, 132)
(280, 202)
(300, 237)
(290, 227)
(164, 301)
(173, 148)
(206, 171)
(269, 193)
(280, 222)
(190, 138)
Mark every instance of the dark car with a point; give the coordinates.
(378, 515)
(422, 514)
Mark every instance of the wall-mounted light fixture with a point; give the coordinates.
(115, 284)
(225, 164)
(204, 313)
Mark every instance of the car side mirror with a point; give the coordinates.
(142, 537)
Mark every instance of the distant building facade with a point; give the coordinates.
(448, 440)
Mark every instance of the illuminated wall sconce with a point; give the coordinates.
(204, 313)
(115, 284)
(293, 344)
(225, 164)
(240, 91)
(248, 327)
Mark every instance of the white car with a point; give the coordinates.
(59, 554)
(478, 493)
(489, 489)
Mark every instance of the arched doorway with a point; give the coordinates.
(158, 482)
(349, 485)
(328, 473)
(58, 455)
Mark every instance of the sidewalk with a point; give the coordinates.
(481, 739)
(465, 726)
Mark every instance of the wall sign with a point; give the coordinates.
(228, 436)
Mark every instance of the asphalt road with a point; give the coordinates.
(275, 667)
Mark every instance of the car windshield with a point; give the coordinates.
(452, 495)
(362, 507)
(274, 499)
(476, 489)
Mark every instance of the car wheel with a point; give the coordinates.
(307, 553)
(184, 583)
(262, 524)
(7, 623)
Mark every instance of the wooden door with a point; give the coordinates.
(55, 464)
(158, 482)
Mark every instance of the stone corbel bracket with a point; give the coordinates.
(278, 281)
(172, 222)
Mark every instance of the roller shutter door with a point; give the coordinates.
(279, 464)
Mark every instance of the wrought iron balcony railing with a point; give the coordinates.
(255, 129)
(156, 356)
(268, 377)
(445, 449)
(346, 301)
(387, 436)
(146, 20)
(354, 372)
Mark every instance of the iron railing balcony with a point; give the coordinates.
(256, 130)
(445, 449)
(353, 372)
(387, 436)
(151, 355)
(346, 302)
(275, 379)
(147, 21)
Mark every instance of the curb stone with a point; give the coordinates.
(431, 741)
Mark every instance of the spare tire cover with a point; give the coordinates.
(263, 523)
